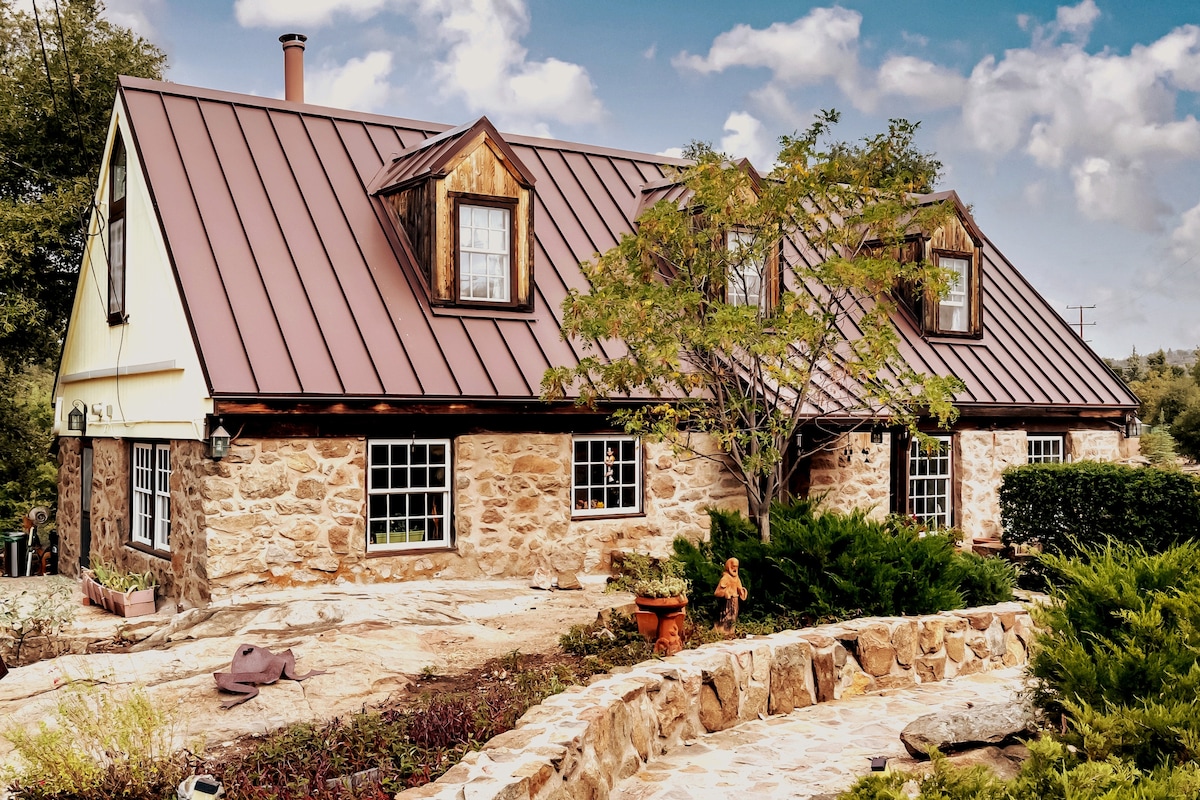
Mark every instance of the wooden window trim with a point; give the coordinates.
(511, 204)
(116, 214)
(974, 306)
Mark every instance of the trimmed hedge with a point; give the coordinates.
(1065, 507)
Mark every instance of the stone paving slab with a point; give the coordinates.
(814, 751)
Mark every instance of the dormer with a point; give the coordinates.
(464, 202)
(956, 246)
(751, 267)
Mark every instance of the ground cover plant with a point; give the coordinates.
(1116, 668)
(821, 566)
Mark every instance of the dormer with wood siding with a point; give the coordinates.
(464, 202)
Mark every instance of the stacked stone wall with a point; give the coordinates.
(1095, 445)
(981, 458)
(69, 496)
(581, 743)
(291, 511)
(854, 473)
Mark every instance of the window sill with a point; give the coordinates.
(413, 551)
(576, 517)
(148, 550)
(484, 312)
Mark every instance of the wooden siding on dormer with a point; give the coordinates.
(953, 238)
(413, 210)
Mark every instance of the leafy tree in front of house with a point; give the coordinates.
(684, 300)
(56, 96)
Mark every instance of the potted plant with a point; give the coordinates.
(660, 592)
(130, 594)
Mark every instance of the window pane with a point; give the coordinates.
(606, 474)
(408, 503)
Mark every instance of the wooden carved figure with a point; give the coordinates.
(730, 588)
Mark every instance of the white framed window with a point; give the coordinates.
(954, 309)
(606, 475)
(744, 282)
(152, 495)
(929, 481)
(484, 253)
(1045, 449)
(408, 494)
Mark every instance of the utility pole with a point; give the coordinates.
(1081, 323)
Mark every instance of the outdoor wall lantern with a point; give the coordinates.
(876, 435)
(1133, 428)
(218, 443)
(77, 419)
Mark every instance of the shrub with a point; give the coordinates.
(1158, 447)
(983, 580)
(833, 565)
(36, 613)
(1067, 506)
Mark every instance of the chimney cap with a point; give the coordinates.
(293, 37)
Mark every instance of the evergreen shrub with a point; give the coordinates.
(830, 565)
(1064, 507)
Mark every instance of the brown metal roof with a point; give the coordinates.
(296, 284)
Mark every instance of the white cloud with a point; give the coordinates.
(823, 45)
(488, 69)
(360, 84)
(927, 83)
(650, 52)
(137, 15)
(307, 13)
(746, 138)
(1108, 191)
(671, 152)
(1185, 239)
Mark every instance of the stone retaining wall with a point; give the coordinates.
(579, 744)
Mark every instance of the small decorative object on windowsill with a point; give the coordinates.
(731, 590)
(129, 594)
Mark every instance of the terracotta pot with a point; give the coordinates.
(661, 605)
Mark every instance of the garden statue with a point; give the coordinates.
(730, 588)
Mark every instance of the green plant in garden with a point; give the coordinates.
(1158, 447)
(646, 576)
(100, 743)
(110, 575)
(42, 612)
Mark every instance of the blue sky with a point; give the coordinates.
(1070, 129)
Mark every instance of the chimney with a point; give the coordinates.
(293, 66)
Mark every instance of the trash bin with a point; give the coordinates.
(16, 554)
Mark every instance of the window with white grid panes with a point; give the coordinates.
(152, 495)
(484, 253)
(744, 283)
(408, 494)
(954, 309)
(929, 481)
(606, 475)
(1045, 449)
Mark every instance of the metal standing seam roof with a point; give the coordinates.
(296, 284)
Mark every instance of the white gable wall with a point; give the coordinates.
(144, 377)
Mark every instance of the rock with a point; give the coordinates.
(569, 581)
(875, 651)
(542, 580)
(791, 678)
(986, 723)
(904, 639)
(933, 634)
(719, 699)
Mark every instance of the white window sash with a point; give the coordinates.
(930, 482)
(486, 266)
(611, 483)
(151, 524)
(396, 532)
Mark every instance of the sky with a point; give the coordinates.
(1070, 130)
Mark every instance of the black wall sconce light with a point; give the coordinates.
(876, 435)
(218, 442)
(77, 419)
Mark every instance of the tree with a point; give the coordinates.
(58, 79)
(58, 74)
(831, 215)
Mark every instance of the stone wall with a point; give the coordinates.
(981, 457)
(1095, 445)
(854, 474)
(293, 511)
(581, 743)
(67, 517)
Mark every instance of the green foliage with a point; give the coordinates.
(1186, 432)
(612, 642)
(1158, 447)
(28, 474)
(983, 580)
(1119, 655)
(1067, 506)
(42, 612)
(646, 576)
(106, 743)
(832, 565)
(744, 373)
(109, 574)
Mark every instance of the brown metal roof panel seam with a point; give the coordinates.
(621, 220)
(222, 349)
(389, 355)
(497, 360)
(582, 203)
(551, 196)
(258, 320)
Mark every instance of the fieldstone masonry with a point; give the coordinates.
(854, 474)
(981, 458)
(579, 744)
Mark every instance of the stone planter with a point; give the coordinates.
(134, 603)
(660, 620)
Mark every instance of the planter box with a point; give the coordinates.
(134, 603)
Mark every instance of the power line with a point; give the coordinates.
(1081, 323)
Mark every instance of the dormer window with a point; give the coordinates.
(954, 308)
(746, 279)
(117, 171)
(485, 249)
(462, 202)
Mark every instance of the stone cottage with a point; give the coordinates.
(362, 307)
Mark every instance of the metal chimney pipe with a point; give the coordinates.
(293, 66)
